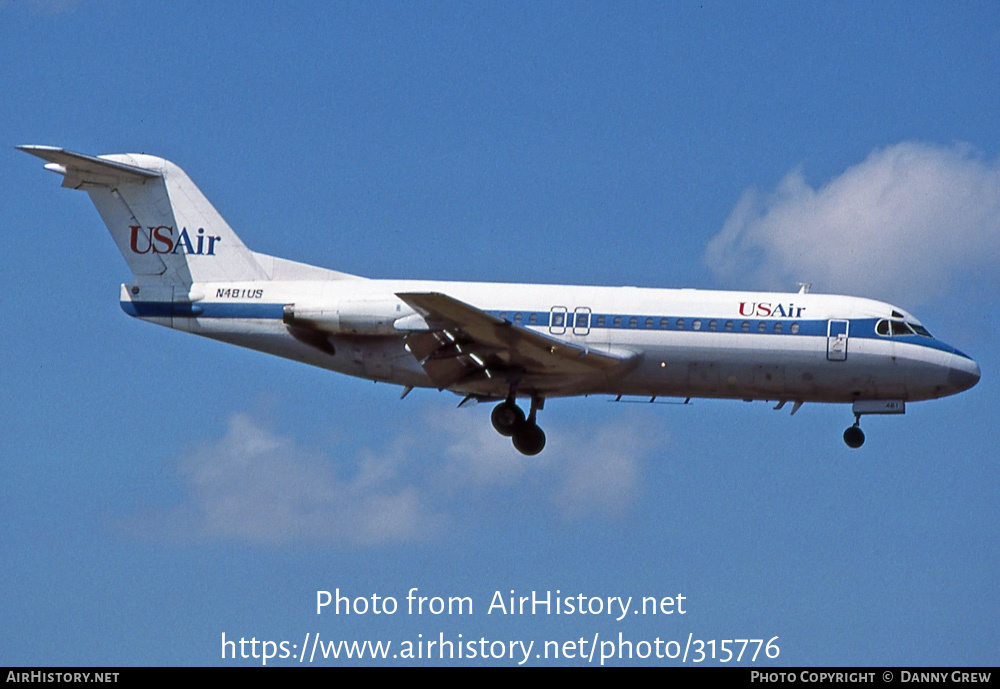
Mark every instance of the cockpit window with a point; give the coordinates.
(899, 328)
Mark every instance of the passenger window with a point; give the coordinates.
(618, 321)
(600, 322)
(778, 327)
(729, 326)
(762, 327)
(696, 324)
(518, 317)
(680, 324)
(795, 328)
(713, 325)
(649, 324)
(533, 319)
(664, 323)
(633, 322)
(745, 327)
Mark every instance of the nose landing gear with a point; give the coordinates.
(854, 436)
(509, 421)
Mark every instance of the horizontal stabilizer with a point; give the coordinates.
(79, 169)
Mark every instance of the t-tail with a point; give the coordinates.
(163, 225)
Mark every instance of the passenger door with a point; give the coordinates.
(836, 340)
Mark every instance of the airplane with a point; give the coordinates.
(499, 343)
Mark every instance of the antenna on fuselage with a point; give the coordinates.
(804, 287)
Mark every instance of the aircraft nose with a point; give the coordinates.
(963, 374)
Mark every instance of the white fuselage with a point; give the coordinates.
(681, 342)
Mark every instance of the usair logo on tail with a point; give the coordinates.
(161, 240)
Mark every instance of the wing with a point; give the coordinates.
(461, 344)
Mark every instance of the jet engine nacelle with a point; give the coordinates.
(355, 317)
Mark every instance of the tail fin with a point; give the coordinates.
(163, 225)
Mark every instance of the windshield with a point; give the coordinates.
(896, 328)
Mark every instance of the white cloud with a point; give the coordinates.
(256, 486)
(474, 457)
(605, 475)
(596, 470)
(906, 224)
(253, 485)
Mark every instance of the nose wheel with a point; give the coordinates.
(524, 433)
(854, 436)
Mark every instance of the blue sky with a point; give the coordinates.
(160, 490)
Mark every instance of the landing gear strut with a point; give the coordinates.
(509, 421)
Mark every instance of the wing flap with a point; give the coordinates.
(465, 341)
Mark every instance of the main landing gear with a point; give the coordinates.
(509, 421)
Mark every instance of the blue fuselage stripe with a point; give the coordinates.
(586, 322)
(163, 309)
